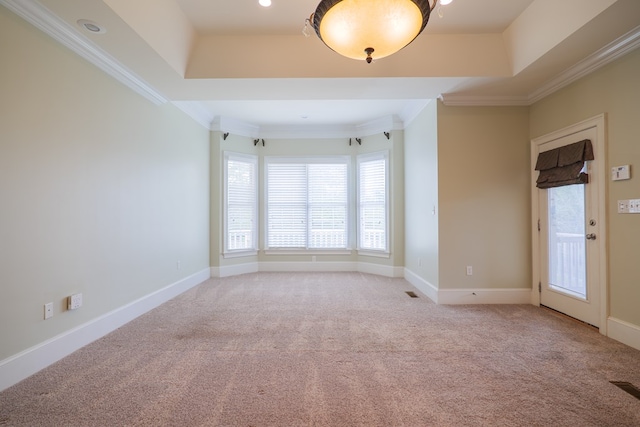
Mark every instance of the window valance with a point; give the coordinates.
(564, 165)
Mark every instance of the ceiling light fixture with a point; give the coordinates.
(368, 29)
(91, 26)
(265, 3)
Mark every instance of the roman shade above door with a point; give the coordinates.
(564, 165)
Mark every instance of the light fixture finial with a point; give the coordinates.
(369, 51)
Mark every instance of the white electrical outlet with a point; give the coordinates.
(48, 310)
(469, 270)
(178, 266)
(75, 301)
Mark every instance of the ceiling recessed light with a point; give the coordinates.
(265, 3)
(91, 26)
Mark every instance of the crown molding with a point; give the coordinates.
(409, 114)
(43, 19)
(454, 100)
(197, 111)
(308, 131)
(379, 125)
(240, 128)
(235, 126)
(372, 127)
(614, 50)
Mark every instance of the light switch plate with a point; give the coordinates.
(48, 310)
(629, 206)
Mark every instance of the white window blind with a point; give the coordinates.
(307, 201)
(241, 203)
(372, 202)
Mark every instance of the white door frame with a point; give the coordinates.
(599, 122)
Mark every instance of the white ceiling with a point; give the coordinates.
(236, 62)
(288, 16)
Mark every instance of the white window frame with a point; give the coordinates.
(364, 158)
(253, 160)
(338, 159)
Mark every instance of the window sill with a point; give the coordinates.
(239, 254)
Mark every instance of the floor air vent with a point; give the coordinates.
(411, 294)
(628, 387)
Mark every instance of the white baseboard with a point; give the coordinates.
(422, 285)
(380, 270)
(625, 332)
(484, 296)
(235, 270)
(26, 363)
(254, 267)
(308, 266)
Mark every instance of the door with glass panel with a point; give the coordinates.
(568, 230)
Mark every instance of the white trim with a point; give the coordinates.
(71, 37)
(374, 254)
(611, 52)
(308, 131)
(379, 125)
(235, 269)
(484, 296)
(239, 254)
(380, 270)
(431, 291)
(625, 332)
(296, 252)
(197, 111)
(411, 111)
(372, 127)
(455, 100)
(614, 50)
(308, 266)
(235, 126)
(26, 363)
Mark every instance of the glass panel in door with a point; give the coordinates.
(567, 250)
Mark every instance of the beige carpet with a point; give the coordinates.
(333, 349)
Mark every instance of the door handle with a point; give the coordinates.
(591, 236)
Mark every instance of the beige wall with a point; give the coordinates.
(308, 147)
(421, 195)
(484, 197)
(101, 191)
(615, 91)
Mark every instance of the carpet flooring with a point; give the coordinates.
(333, 349)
